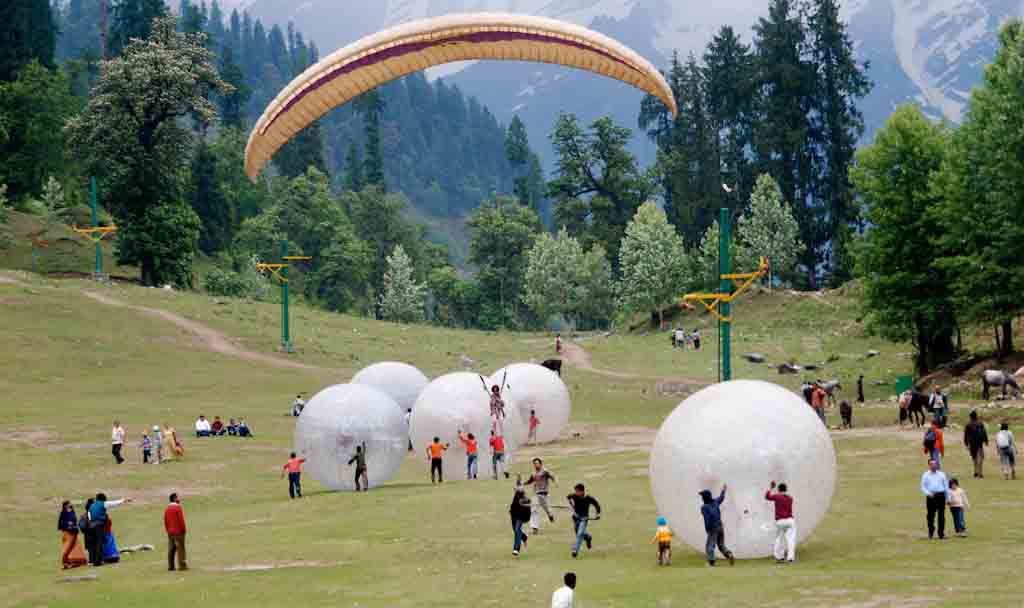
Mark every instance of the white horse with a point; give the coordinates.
(995, 377)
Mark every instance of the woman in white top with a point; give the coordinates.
(1007, 451)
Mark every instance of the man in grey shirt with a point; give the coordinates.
(540, 479)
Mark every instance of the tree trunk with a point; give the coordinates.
(148, 271)
(1007, 338)
(999, 343)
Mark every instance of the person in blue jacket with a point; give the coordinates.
(711, 510)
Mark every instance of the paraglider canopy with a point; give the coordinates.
(418, 45)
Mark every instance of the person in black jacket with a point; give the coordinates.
(976, 438)
(519, 511)
(581, 502)
(711, 510)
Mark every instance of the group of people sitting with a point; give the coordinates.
(204, 428)
(680, 339)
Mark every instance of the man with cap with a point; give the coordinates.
(711, 510)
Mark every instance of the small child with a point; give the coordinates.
(1007, 451)
(956, 498)
(157, 444)
(663, 537)
(147, 448)
(534, 423)
(846, 411)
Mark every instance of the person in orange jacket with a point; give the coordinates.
(934, 447)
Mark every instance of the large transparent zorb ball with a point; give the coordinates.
(529, 386)
(400, 381)
(341, 417)
(450, 403)
(743, 433)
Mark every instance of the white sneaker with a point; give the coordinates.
(516, 553)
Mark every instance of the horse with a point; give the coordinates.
(913, 406)
(830, 387)
(995, 377)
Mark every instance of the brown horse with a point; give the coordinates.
(912, 406)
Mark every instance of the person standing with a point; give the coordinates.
(785, 525)
(818, 398)
(539, 479)
(939, 406)
(360, 460)
(497, 443)
(558, 344)
(580, 502)
(846, 413)
(294, 469)
(712, 513)
(117, 441)
(1007, 451)
(934, 446)
(435, 452)
(958, 503)
(174, 524)
(534, 423)
(71, 554)
(935, 488)
(519, 511)
(157, 444)
(147, 448)
(696, 338)
(98, 528)
(565, 596)
(298, 405)
(860, 389)
(408, 420)
(975, 439)
(469, 441)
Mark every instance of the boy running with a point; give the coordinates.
(580, 502)
(539, 479)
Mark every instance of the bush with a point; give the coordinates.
(228, 283)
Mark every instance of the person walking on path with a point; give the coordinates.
(539, 480)
(957, 500)
(71, 554)
(519, 511)
(435, 452)
(935, 488)
(785, 525)
(581, 502)
(663, 538)
(975, 439)
(1007, 451)
(497, 455)
(174, 524)
(712, 513)
(469, 442)
(360, 461)
(934, 446)
(294, 469)
(860, 389)
(117, 441)
(565, 596)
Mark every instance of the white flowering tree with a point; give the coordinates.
(768, 229)
(402, 298)
(652, 262)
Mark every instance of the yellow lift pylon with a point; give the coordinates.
(741, 282)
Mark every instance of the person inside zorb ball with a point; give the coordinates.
(744, 434)
(341, 418)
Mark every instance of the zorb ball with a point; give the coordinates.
(529, 386)
(743, 433)
(400, 381)
(450, 403)
(341, 417)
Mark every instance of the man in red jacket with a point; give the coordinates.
(174, 523)
(785, 525)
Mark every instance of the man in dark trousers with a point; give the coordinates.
(976, 438)
(711, 510)
(174, 524)
(935, 488)
(860, 389)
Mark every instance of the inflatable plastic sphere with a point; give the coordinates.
(529, 386)
(341, 417)
(450, 403)
(400, 381)
(745, 434)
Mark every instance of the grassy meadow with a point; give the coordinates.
(73, 364)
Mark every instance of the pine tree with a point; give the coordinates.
(767, 230)
(837, 123)
(371, 105)
(353, 177)
(232, 104)
(133, 19)
(302, 151)
(27, 32)
(403, 298)
(208, 201)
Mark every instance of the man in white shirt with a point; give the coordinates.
(117, 442)
(563, 596)
(298, 405)
(935, 488)
(202, 427)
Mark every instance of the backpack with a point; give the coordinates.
(929, 440)
(1002, 439)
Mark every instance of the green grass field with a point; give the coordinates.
(73, 364)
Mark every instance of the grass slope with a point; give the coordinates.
(74, 364)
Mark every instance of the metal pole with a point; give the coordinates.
(95, 224)
(725, 286)
(286, 343)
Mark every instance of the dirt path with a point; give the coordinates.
(575, 355)
(211, 339)
(578, 357)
